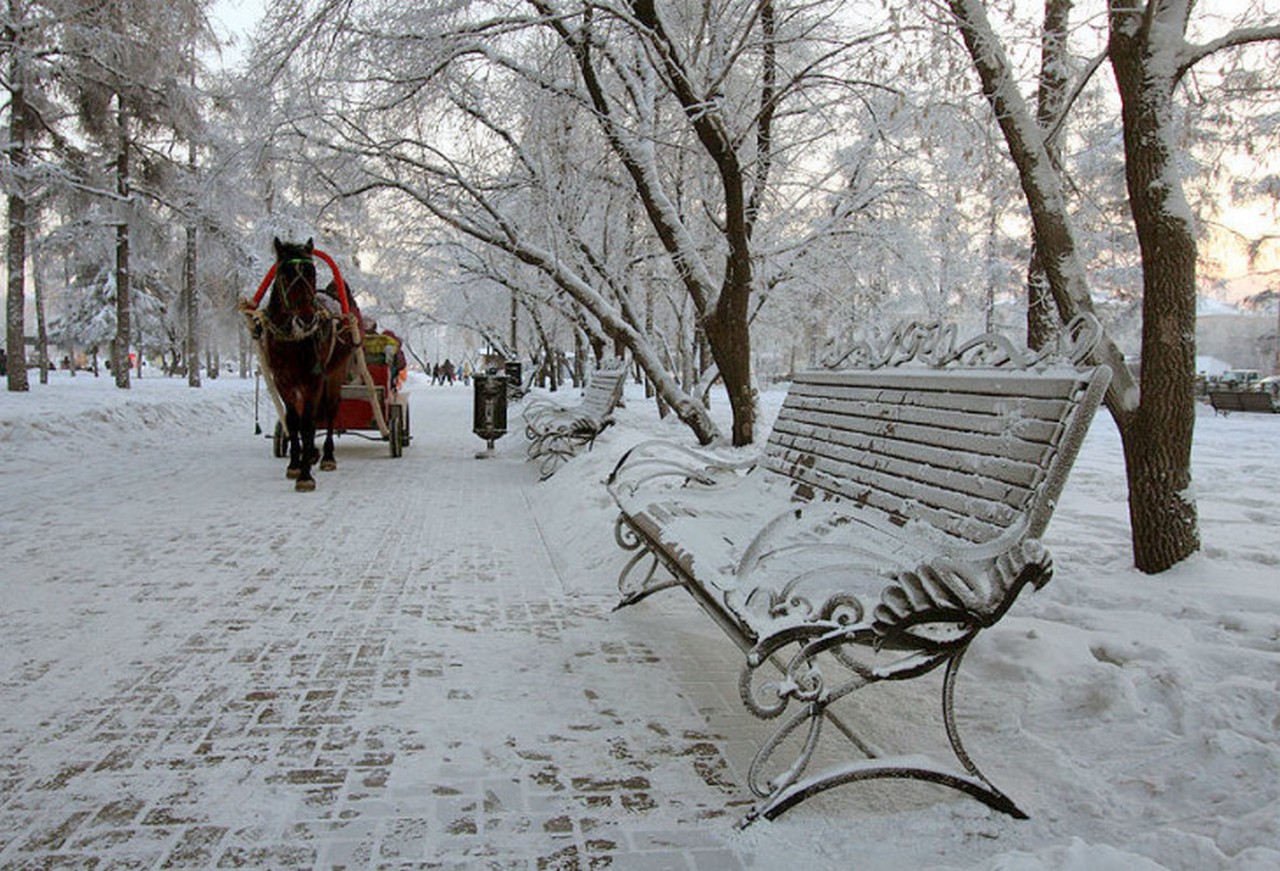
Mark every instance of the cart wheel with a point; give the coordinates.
(396, 425)
(406, 436)
(279, 444)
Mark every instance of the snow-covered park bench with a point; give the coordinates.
(556, 431)
(1226, 401)
(895, 512)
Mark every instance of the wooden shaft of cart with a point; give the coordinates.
(271, 388)
(251, 316)
(363, 369)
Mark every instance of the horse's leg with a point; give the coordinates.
(293, 420)
(329, 407)
(329, 414)
(328, 462)
(308, 427)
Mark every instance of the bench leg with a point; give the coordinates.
(554, 448)
(791, 787)
(913, 768)
(639, 578)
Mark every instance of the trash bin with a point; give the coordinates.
(489, 419)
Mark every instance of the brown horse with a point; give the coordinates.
(307, 349)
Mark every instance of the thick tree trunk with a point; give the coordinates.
(16, 247)
(1158, 438)
(191, 351)
(15, 338)
(1155, 422)
(1042, 314)
(728, 335)
(120, 347)
(42, 329)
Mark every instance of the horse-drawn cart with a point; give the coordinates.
(321, 365)
(364, 401)
(371, 401)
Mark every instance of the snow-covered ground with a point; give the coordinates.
(415, 666)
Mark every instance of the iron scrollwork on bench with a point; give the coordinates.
(894, 513)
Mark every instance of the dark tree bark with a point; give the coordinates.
(1042, 314)
(120, 346)
(42, 329)
(191, 350)
(16, 246)
(1157, 438)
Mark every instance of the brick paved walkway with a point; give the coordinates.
(389, 673)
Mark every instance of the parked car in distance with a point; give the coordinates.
(1240, 379)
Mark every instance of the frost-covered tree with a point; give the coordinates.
(127, 65)
(1150, 57)
(680, 120)
(25, 42)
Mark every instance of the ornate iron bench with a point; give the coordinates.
(1226, 401)
(556, 431)
(895, 512)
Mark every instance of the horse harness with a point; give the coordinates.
(300, 329)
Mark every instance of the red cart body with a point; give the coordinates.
(356, 410)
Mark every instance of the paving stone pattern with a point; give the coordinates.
(389, 673)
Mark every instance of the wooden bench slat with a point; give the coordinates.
(1013, 382)
(882, 402)
(1002, 469)
(979, 444)
(946, 479)
(1012, 420)
(907, 499)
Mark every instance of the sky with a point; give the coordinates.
(236, 19)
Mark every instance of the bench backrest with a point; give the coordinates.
(1256, 400)
(974, 453)
(1225, 400)
(1241, 400)
(603, 392)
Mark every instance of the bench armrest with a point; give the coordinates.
(652, 459)
(839, 570)
(543, 406)
(945, 599)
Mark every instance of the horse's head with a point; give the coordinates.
(294, 291)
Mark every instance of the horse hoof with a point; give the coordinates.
(328, 465)
(292, 473)
(304, 485)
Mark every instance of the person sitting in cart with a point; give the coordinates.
(388, 348)
(399, 366)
